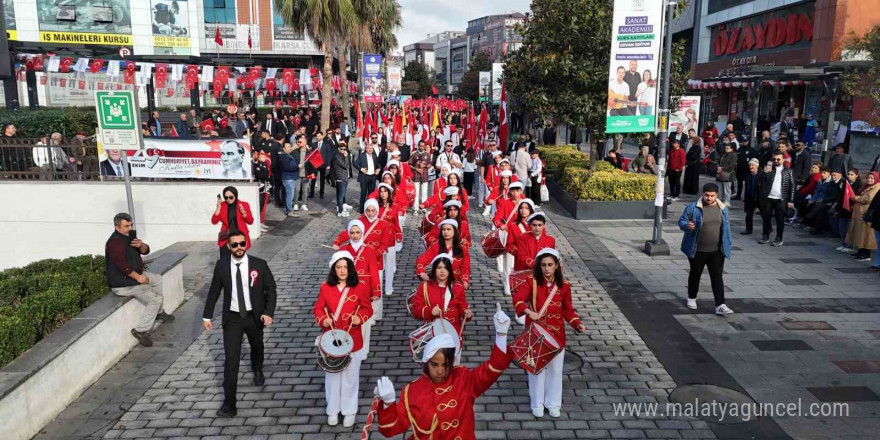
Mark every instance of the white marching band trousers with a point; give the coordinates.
(505, 267)
(545, 389)
(341, 389)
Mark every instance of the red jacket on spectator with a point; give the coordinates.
(241, 220)
(814, 180)
(676, 159)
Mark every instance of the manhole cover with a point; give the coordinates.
(712, 404)
(571, 364)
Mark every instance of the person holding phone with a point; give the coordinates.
(233, 215)
(127, 276)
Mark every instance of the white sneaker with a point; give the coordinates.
(339, 214)
(389, 293)
(538, 412)
(305, 208)
(346, 206)
(554, 412)
(692, 304)
(333, 420)
(723, 310)
(296, 207)
(348, 421)
(292, 214)
(486, 211)
(843, 249)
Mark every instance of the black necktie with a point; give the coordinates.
(242, 310)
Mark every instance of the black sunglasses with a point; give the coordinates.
(238, 244)
(230, 198)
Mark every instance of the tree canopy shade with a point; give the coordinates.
(561, 69)
(418, 80)
(863, 80)
(470, 81)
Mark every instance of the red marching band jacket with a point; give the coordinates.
(430, 294)
(533, 295)
(401, 202)
(356, 302)
(367, 267)
(461, 266)
(505, 211)
(527, 246)
(514, 231)
(240, 220)
(380, 237)
(464, 233)
(442, 411)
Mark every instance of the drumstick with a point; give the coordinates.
(327, 311)
(365, 433)
(351, 324)
(325, 246)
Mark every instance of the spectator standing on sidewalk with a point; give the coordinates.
(860, 237)
(777, 196)
(126, 276)
(288, 167)
(754, 182)
(872, 217)
(233, 215)
(726, 176)
(706, 243)
(842, 217)
(676, 163)
(340, 172)
(745, 154)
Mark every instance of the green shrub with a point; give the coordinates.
(557, 158)
(610, 185)
(38, 298)
(33, 123)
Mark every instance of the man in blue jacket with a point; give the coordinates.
(706, 242)
(289, 177)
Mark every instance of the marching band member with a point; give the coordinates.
(405, 170)
(343, 303)
(388, 212)
(437, 212)
(504, 214)
(499, 189)
(520, 224)
(400, 199)
(442, 296)
(528, 244)
(546, 300)
(493, 171)
(439, 405)
(454, 181)
(453, 211)
(400, 183)
(440, 181)
(449, 243)
(366, 262)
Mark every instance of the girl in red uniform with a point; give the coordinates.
(453, 211)
(528, 244)
(389, 213)
(504, 214)
(343, 303)
(520, 225)
(366, 263)
(441, 296)
(439, 405)
(437, 213)
(450, 243)
(546, 300)
(401, 181)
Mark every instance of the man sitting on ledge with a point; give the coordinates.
(127, 277)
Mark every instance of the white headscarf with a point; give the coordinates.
(373, 203)
(356, 245)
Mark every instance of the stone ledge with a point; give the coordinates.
(39, 384)
(593, 210)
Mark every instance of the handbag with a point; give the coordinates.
(545, 193)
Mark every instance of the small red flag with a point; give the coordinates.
(217, 37)
(315, 159)
(173, 132)
(250, 41)
(434, 89)
(96, 65)
(848, 194)
(207, 125)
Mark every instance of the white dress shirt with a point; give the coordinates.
(371, 168)
(776, 188)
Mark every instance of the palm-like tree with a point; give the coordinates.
(326, 22)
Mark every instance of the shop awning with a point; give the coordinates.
(696, 84)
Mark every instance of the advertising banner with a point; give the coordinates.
(85, 22)
(372, 78)
(687, 116)
(497, 73)
(9, 15)
(212, 159)
(170, 20)
(287, 38)
(485, 84)
(394, 80)
(635, 58)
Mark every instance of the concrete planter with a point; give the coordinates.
(38, 385)
(592, 210)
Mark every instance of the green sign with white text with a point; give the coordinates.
(117, 119)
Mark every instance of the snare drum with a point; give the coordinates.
(518, 278)
(420, 337)
(333, 350)
(534, 348)
(493, 243)
(425, 226)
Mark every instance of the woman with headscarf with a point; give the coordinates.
(546, 301)
(860, 235)
(366, 262)
(343, 303)
(233, 215)
(449, 243)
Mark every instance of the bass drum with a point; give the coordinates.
(333, 350)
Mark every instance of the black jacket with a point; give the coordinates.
(874, 209)
(787, 185)
(800, 167)
(362, 163)
(340, 166)
(743, 156)
(876, 165)
(328, 149)
(121, 259)
(756, 181)
(728, 163)
(405, 152)
(262, 288)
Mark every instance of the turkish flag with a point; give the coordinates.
(173, 133)
(130, 70)
(96, 65)
(222, 73)
(161, 75)
(270, 84)
(169, 92)
(218, 87)
(66, 64)
(207, 125)
(217, 37)
(192, 72)
(38, 63)
(192, 83)
(254, 73)
(287, 77)
(314, 158)
(848, 194)
(502, 118)
(82, 85)
(100, 86)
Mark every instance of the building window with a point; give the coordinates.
(220, 11)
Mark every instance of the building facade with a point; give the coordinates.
(495, 35)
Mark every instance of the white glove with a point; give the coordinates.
(385, 390)
(501, 321)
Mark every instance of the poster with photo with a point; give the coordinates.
(687, 116)
(212, 159)
(170, 22)
(394, 80)
(372, 78)
(107, 22)
(9, 16)
(636, 36)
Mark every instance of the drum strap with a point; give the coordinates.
(370, 229)
(549, 297)
(342, 299)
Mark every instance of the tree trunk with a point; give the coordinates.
(343, 70)
(327, 91)
(561, 134)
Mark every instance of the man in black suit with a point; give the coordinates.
(328, 149)
(248, 305)
(405, 149)
(275, 152)
(272, 126)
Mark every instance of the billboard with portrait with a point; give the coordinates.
(107, 22)
(687, 116)
(170, 22)
(372, 78)
(212, 159)
(394, 80)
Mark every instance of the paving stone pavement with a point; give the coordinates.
(609, 364)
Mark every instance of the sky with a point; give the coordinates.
(421, 17)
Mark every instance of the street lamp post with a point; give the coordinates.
(657, 246)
